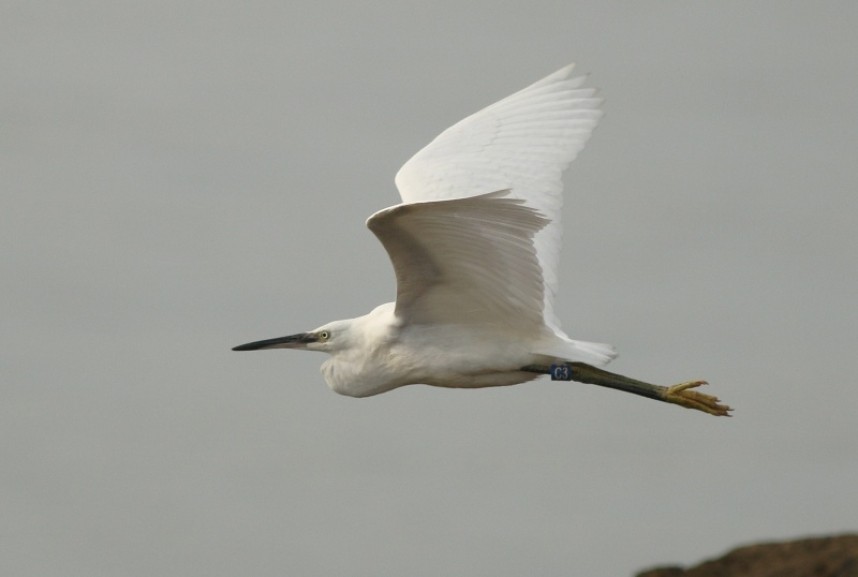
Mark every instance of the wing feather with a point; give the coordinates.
(523, 144)
(468, 260)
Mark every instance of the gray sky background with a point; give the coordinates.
(179, 177)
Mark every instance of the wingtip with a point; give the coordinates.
(563, 73)
(568, 68)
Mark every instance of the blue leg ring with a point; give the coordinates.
(561, 372)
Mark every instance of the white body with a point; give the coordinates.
(475, 248)
(397, 355)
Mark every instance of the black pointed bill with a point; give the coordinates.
(291, 342)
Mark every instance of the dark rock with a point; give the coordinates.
(835, 556)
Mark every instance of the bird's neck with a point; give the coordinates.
(360, 367)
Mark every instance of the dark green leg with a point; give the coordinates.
(680, 394)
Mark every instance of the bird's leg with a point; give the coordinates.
(681, 394)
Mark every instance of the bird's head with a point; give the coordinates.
(327, 338)
(349, 335)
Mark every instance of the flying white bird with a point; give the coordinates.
(475, 246)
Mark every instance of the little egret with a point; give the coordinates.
(474, 246)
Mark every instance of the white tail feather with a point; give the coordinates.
(578, 351)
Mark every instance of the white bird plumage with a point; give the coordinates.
(475, 247)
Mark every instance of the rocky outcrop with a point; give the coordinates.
(835, 556)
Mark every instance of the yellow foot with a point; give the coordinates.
(682, 394)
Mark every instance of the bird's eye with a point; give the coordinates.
(324, 335)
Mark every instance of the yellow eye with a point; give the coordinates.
(324, 335)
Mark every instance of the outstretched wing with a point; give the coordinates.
(523, 144)
(469, 260)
